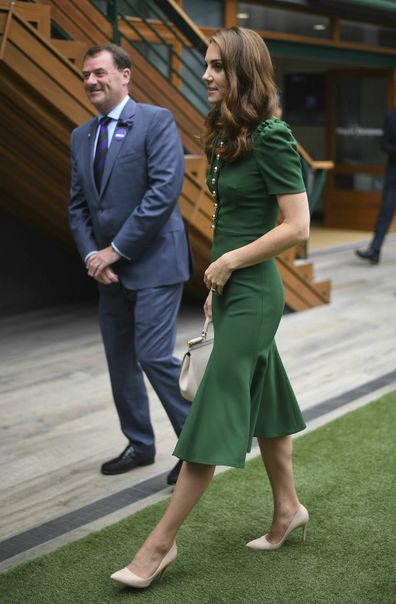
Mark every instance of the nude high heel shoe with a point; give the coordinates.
(300, 518)
(126, 577)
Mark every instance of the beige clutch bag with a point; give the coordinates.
(194, 363)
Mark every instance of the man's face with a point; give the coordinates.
(104, 84)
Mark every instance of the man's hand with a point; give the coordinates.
(107, 276)
(100, 261)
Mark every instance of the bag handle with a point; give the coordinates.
(205, 328)
(202, 337)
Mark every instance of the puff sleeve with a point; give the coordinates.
(277, 158)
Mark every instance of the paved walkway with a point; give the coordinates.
(59, 424)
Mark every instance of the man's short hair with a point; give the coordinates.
(121, 58)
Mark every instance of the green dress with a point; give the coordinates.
(245, 390)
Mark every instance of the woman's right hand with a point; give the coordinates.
(208, 307)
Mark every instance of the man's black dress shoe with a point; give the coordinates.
(369, 255)
(174, 473)
(128, 460)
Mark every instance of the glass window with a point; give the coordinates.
(368, 183)
(369, 35)
(209, 13)
(361, 104)
(305, 98)
(283, 21)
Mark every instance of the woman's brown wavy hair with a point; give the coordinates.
(251, 96)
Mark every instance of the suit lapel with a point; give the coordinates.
(125, 124)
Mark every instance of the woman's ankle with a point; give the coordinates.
(159, 542)
(286, 507)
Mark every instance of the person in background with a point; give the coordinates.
(127, 173)
(388, 206)
(254, 171)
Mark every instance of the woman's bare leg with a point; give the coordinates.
(193, 481)
(277, 457)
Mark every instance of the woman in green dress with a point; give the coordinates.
(254, 171)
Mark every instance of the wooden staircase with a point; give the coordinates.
(42, 100)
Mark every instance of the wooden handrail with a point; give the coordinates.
(315, 165)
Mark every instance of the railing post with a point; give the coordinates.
(112, 13)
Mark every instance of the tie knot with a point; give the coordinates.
(105, 120)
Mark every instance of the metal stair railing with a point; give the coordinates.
(134, 18)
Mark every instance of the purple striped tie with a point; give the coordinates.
(101, 151)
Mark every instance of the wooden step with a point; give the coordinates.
(299, 293)
(305, 270)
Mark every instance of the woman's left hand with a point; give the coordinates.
(217, 274)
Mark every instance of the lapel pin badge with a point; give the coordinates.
(120, 134)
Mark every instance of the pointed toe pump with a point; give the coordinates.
(300, 518)
(126, 577)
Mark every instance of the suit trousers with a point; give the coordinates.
(387, 210)
(139, 330)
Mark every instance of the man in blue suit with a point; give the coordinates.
(388, 205)
(127, 173)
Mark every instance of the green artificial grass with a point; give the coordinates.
(345, 477)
